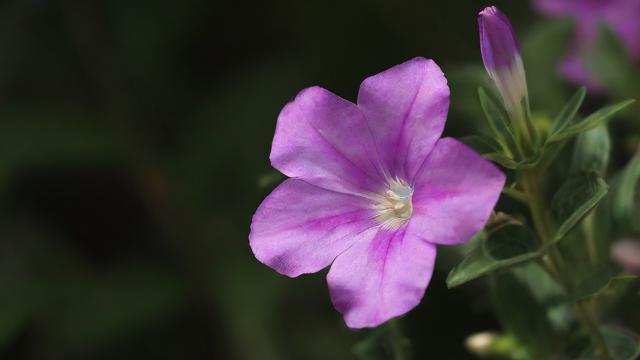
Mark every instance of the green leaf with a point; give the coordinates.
(603, 285)
(591, 121)
(621, 345)
(510, 241)
(625, 202)
(586, 254)
(579, 194)
(568, 112)
(512, 245)
(498, 121)
(591, 151)
(508, 246)
(502, 160)
(523, 316)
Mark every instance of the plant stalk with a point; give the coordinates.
(582, 311)
(544, 226)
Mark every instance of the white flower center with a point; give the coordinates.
(394, 206)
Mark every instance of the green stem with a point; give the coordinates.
(600, 346)
(516, 195)
(525, 133)
(588, 231)
(544, 226)
(542, 222)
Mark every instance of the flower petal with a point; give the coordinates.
(406, 108)
(573, 70)
(300, 228)
(324, 140)
(381, 277)
(455, 192)
(624, 18)
(568, 7)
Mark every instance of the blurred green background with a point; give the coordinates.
(134, 142)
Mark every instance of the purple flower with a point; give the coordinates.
(622, 16)
(373, 189)
(501, 57)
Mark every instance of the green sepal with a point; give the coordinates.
(498, 120)
(591, 151)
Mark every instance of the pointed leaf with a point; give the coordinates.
(597, 118)
(510, 241)
(603, 285)
(579, 194)
(502, 160)
(568, 112)
(498, 120)
(507, 246)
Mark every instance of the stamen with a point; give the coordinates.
(394, 206)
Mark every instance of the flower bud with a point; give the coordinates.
(502, 60)
(501, 57)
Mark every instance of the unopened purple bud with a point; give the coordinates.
(498, 41)
(501, 57)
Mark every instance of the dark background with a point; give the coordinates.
(134, 141)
